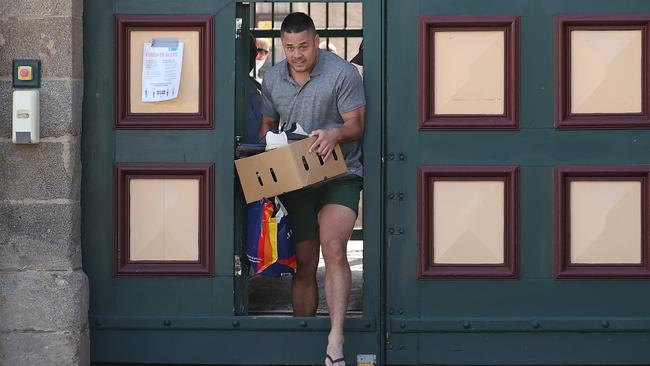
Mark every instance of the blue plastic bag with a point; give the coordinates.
(269, 244)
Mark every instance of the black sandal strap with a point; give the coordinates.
(333, 361)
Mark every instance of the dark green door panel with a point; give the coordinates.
(229, 347)
(535, 319)
(203, 320)
(168, 298)
(519, 349)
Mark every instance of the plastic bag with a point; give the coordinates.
(269, 242)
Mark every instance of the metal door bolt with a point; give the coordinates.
(237, 266)
(238, 25)
(393, 231)
(400, 157)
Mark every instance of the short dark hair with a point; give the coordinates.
(298, 22)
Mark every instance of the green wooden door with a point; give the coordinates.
(194, 318)
(488, 258)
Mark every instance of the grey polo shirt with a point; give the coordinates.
(334, 87)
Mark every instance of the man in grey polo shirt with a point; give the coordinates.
(324, 94)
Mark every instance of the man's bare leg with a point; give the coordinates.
(336, 223)
(304, 289)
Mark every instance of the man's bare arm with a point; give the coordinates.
(267, 124)
(350, 130)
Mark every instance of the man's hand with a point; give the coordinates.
(325, 142)
(350, 130)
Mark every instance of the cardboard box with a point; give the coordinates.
(286, 169)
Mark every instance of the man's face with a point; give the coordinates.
(263, 47)
(301, 50)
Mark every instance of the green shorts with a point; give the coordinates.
(303, 205)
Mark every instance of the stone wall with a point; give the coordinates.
(43, 290)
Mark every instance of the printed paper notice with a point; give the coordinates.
(161, 72)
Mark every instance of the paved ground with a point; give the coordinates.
(268, 294)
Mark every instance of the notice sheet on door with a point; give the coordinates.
(161, 72)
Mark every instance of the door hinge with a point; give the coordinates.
(238, 25)
(237, 266)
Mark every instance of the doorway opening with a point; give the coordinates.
(339, 25)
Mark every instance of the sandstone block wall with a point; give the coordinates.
(43, 290)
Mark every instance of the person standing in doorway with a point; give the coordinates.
(263, 47)
(254, 96)
(324, 94)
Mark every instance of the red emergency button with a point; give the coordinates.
(24, 73)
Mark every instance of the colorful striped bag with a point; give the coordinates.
(269, 244)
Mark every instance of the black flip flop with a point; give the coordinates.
(333, 361)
